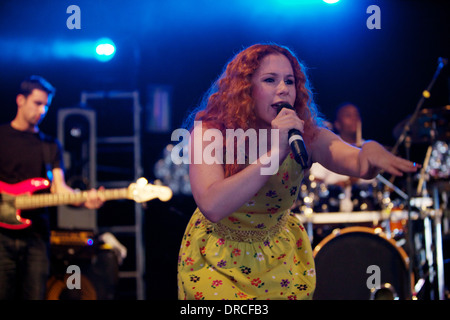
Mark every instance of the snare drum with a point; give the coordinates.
(350, 260)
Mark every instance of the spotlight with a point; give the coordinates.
(330, 1)
(105, 49)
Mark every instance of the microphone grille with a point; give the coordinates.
(284, 105)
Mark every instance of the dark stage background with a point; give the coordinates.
(183, 45)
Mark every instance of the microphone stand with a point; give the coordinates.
(425, 95)
(406, 138)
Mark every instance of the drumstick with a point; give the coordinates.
(424, 168)
(358, 134)
(387, 183)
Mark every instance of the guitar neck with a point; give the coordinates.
(51, 200)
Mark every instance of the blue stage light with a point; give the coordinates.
(105, 49)
(330, 1)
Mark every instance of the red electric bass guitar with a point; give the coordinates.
(15, 197)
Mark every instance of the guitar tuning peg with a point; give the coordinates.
(142, 182)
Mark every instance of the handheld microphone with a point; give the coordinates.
(296, 141)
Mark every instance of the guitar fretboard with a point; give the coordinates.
(50, 200)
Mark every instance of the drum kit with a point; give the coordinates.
(376, 241)
(355, 226)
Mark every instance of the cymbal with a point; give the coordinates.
(439, 163)
(426, 120)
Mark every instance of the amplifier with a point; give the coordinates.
(71, 238)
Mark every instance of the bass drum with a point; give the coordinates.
(358, 263)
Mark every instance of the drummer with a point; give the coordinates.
(347, 125)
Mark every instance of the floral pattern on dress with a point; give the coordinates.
(211, 266)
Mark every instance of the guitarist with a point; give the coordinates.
(26, 153)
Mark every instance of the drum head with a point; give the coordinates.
(344, 265)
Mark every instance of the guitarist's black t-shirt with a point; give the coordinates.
(23, 156)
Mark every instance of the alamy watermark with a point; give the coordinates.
(74, 280)
(237, 141)
(374, 280)
(74, 20)
(374, 20)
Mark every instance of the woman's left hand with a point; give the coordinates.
(94, 199)
(374, 157)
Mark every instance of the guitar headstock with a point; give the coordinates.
(142, 191)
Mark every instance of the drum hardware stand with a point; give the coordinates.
(426, 215)
(385, 206)
(307, 210)
(435, 260)
(438, 240)
(435, 270)
(405, 138)
(428, 235)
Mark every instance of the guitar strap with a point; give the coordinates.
(46, 153)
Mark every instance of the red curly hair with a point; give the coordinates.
(230, 104)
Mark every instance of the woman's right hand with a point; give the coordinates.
(286, 120)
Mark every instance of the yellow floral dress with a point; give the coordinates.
(262, 251)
